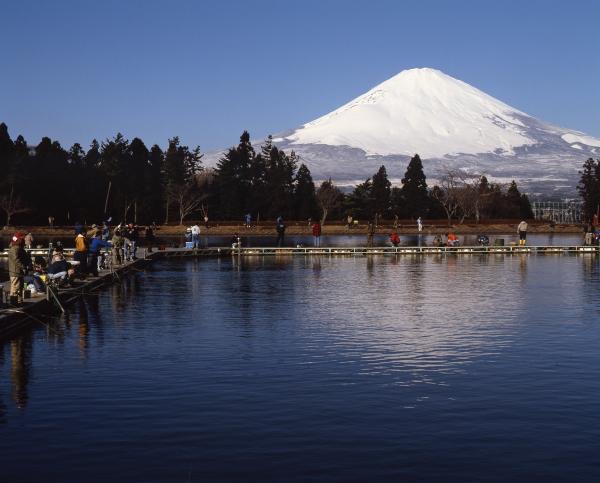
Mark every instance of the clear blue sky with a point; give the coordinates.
(75, 70)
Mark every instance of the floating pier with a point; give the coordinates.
(385, 250)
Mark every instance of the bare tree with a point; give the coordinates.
(189, 201)
(329, 197)
(446, 193)
(11, 205)
(468, 195)
(190, 197)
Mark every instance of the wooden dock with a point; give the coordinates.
(385, 250)
(16, 318)
(156, 253)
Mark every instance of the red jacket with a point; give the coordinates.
(316, 228)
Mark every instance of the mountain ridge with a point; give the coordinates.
(450, 124)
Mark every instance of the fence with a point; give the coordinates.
(558, 211)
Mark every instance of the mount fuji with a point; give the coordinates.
(450, 124)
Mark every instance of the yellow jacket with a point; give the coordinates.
(80, 244)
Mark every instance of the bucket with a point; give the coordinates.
(499, 242)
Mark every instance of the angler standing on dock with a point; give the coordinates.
(96, 245)
(117, 247)
(370, 233)
(17, 264)
(80, 254)
(195, 236)
(316, 231)
(522, 232)
(280, 227)
(131, 240)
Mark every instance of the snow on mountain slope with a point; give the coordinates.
(450, 124)
(420, 111)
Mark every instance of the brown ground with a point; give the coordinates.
(335, 228)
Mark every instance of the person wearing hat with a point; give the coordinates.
(91, 233)
(18, 261)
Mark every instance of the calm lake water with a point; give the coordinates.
(470, 368)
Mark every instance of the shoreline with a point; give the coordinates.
(302, 228)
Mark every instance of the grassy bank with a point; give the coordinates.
(336, 228)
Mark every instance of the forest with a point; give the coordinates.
(128, 181)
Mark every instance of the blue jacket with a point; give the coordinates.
(96, 244)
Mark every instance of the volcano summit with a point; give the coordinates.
(450, 124)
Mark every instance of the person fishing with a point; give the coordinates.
(280, 228)
(370, 233)
(522, 232)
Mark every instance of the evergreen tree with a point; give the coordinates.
(136, 175)
(381, 192)
(414, 189)
(233, 179)
(359, 203)
(114, 160)
(513, 201)
(589, 187)
(396, 202)
(6, 153)
(13, 162)
(154, 186)
(305, 201)
(280, 170)
(47, 181)
(517, 205)
(92, 158)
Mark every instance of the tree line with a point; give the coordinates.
(128, 181)
(589, 188)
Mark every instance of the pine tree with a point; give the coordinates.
(305, 201)
(396, 202)
(381, 192)
(114, 157)
(233, 179)
(280, 170)
(359, 203)
(6, 154)
(154, 186)
(513, 201)
(414, 189)
(589, 187)
(136, 174)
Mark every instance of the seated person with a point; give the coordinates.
(452, 239)
(437, 241)
(37, 275)
(483, 240)
(394, 238)
(59, 269)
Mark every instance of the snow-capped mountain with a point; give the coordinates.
(450, 124)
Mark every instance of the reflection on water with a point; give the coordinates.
(331, 368)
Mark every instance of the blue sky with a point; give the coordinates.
(75, 70)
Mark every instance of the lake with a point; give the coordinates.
(384, 368)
